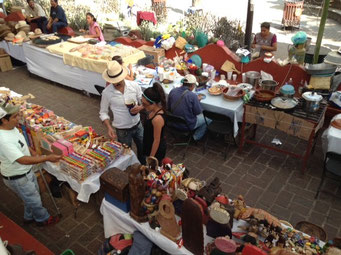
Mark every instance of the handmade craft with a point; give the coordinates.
(115, 182)
(136, 191)
(192, 228)
(209, 192)
(166, 219)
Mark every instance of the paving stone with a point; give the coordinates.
(233, 179)
(323, 207)
(206, 173)
(331, 230)
(267, 198)
(317, 218)
(233, 162)
(241, 169)
(93, 219)
(281, 213)
(284, 198)
(253, 195)
(300, 209)
(295, 218)
(90, 235)
(94, 246)
(303, 201)
(78, 249)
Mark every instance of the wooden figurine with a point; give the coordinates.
(136, 191)
(192, 228)
(166, 219)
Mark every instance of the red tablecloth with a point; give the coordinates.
(149, 16)
(16, 235)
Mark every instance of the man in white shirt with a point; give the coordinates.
(35, 14)
(16, 167)
(123, 97)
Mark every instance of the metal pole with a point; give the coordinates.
(249, 21)
(321, 30)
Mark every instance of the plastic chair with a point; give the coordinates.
(221, 124)
(173, 120)
(332, 164)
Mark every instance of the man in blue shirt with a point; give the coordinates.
(57, 18)
(183, 102)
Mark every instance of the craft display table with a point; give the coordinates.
(296, 122)
(91, 184)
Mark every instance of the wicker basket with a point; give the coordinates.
(180, 43)
(312, 230)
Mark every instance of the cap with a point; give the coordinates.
(8, 109)
(190, 78)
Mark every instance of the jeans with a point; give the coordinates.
(127, 135)
(200, 127)
(54, 27)
(28, 190)
(40, 22)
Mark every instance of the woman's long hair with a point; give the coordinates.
(92, 16)
(156, 94)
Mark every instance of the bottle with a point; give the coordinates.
(290, 81)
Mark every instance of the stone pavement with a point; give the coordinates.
(267, 179)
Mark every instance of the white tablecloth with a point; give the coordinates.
(91, 184)
(14, 50)
(116, 221)
(50, 66)
(232, 109)
(331, 138)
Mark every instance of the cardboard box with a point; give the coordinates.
(5, 61)
(158, 54)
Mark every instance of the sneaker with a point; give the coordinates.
(50, 221)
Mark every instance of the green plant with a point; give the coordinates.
(228, 31)
(147, 30)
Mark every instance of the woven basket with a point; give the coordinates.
(180, 43)
(312, 230)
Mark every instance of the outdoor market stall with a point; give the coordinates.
(14, 50)
(197, 205)
(297, 122)
(86, 154)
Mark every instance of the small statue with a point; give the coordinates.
(137, 193)
(166, 219)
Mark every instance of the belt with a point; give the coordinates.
(133, 127)
(15, 177)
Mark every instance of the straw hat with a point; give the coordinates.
(9, 37)
(21, 24)
(20, 37)
(36, 34)
(114, 72)
(4, 30)
(2, 21)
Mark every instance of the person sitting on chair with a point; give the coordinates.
(265, 41)
(184, 103)
(94, 29)
(57, 18)
(35, 14)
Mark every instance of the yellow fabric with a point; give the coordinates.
(94, 58)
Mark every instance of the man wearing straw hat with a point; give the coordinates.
(16, 166)
(35, 14)
(123, 97)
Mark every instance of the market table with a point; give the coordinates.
(331, 138)
(116, 221)
(51, 66)
(91, 184)
(296, 122)
(14, 50)
(233, 109)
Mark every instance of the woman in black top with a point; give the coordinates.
(154, 141)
